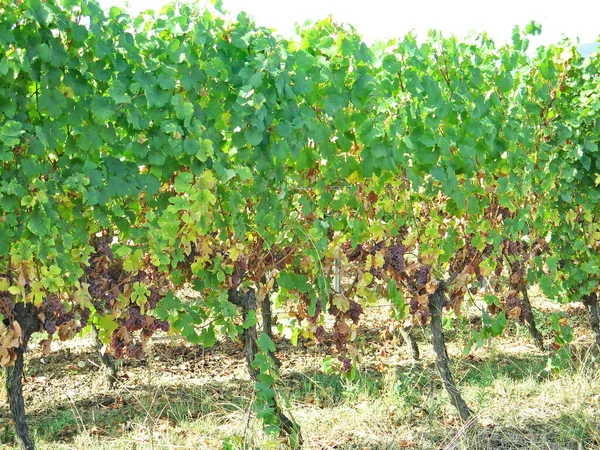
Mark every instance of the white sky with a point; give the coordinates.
(382, 19)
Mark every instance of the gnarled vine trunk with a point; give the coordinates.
(410, 342)
(535, 334)
(248, 303)
(108, 362)
(591, 304)
(436, 304)
(267, 325)
(29, 322)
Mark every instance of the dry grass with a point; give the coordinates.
(183, 397)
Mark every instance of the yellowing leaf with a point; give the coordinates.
(340, 302)
(410, 239)
(14, 290)
(234, 252)
(369, 262)
(379, 260)
(353, 177)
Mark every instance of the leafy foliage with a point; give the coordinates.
(140, 154)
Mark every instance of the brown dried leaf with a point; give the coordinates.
(516, 277)
(423, 300)
(514, 313)
(432, 286)
(123, 333)
(45, 345)
(342, 327)
(17, 328)
(5, 357)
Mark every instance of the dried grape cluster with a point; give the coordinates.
(395, 257)
(7, 304)
(422, 276)
(110, 286)
(53, 314)
(103, 275)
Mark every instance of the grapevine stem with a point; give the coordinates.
(537, 337)
(14, 375)
(248, 303)
(410, 342)
(591, 303)
(436, 304)
(109, 365)
(14, 388)
(267, 316)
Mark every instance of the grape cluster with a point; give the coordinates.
(414, 304)
(378, 273)
(346, 363)
(320, 334)
(395, 257)
(54, 313)
(118, 346)
(103, 274)
(7, 304)
(377, 247)
(276, 258)
(318, 310)
(515, 248)
(239, 271)
(425, 315)
(353, 254)
(107, 281)
(153, 298)
(354, 311)
(84, 317)
(333, 310)
(513, 302)
(422, 276)
(135, 350)
(134, 320)
(339, 339)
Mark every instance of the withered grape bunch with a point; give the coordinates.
(110, 289)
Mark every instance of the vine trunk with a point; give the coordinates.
(436, 304)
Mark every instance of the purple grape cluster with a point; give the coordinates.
(377, 272)
(355, 253)
(414, 304)
(135, 350)
(339, 339)
(346, 363)
(107, 281)
(134, 321)
(425, 315)
(513, 248)
(153, 298)
(118, 346)
(55, 314)
(103, 274)
(378, 246)
(333, 310)
(320, 334)
(395, 257)
(318, 309)
(422, 276)
(354, 311)
(7, 304)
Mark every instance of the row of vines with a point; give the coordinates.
(143, 154)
